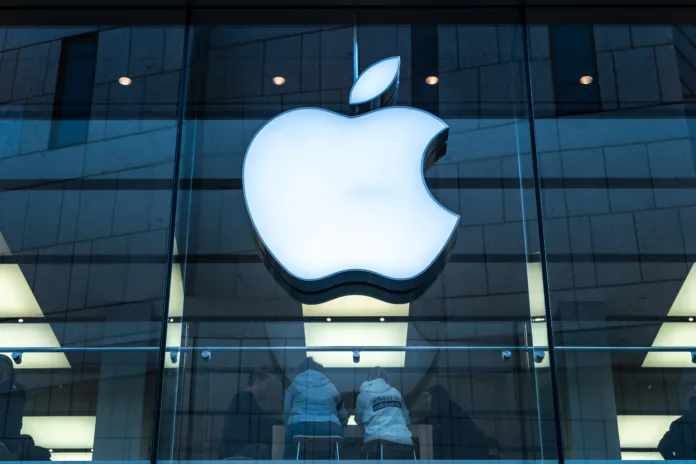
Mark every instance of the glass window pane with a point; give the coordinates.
(447, 349)
(85, 213)
(616, 199)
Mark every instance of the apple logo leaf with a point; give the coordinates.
(379, 80)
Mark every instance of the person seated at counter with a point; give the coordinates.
(15, 446)
(679, 443)
(248, 429)
(381, 411)
(312, 406)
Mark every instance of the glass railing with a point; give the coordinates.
(252, 402)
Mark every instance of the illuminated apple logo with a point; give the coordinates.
(339, 204)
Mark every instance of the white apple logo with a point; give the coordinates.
(340, 202)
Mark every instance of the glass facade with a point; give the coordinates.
(139, 320)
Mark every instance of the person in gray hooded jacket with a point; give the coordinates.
(380, 409)
(312, 406)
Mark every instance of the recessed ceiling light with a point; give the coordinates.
(279, 80)
(124, 80)
(171, 319)
(20, 320)
(431, 80)
(691, 319)
(381, 319)
(585, 80)
(328, 319)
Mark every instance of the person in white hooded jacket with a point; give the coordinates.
(312, 406)
(380, 409)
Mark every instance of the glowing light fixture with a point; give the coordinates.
(672, 334)
(279, 80)
(174, 331)
(356, 306)
(176, 309)
(537, 305)
(685, 302)
(125, 80)
(34, 335)
(71, 456)
(176, 291)
(641, 456)
(540, 338)
(18, 301)
(677, 333)
(535, 288)
(432, 80)
(356, 333)
(642, 431)
(61, 432)
(17, 298)
(586, 80)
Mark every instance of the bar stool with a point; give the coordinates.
(314, 442)
(391, 446)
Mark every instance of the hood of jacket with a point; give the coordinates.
(313, 398)
(375, 386)
(311, 379)
(380, 409)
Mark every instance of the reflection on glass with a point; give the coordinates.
(84, 221)
(463, 372)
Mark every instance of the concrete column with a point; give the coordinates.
(119, 432)
(587, 396)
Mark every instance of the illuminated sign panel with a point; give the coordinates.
(338, 202)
